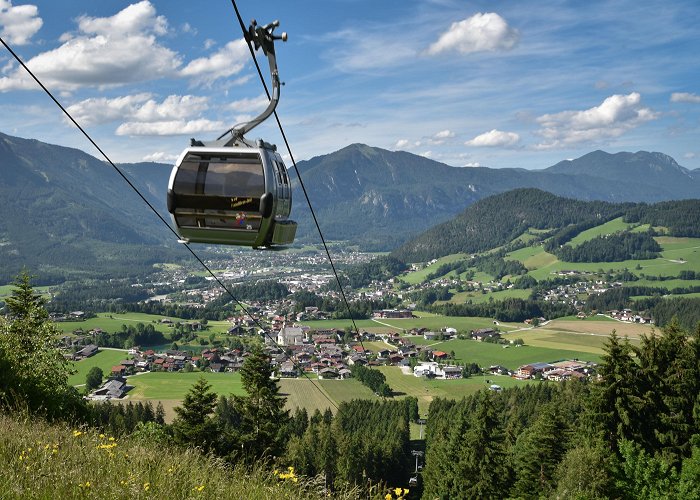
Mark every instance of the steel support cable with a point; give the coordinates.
(153, 209)
(301, 182)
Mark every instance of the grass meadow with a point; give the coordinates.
(104, 359)
(167, 385)
(112, 322)
(426, 390)
(420, 275)
(44, 461)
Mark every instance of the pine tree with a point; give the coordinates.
(33, 372)
(263, 417)
(616, 400)
(482, 457)
(537, 453)
(194, 425)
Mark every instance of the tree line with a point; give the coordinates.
(633, 434)
(612, 248)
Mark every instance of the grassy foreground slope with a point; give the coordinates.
(54, 461)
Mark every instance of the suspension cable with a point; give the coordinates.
(301, 182)
(153, 209)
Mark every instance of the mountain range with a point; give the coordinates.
(65, 209)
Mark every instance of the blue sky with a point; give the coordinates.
(497, 84)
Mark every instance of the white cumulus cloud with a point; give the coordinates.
(494, 138)
(18, 23)
(137, 108)
(401, 144)
(160, 157)
(227, 61)
(478, 33)
(171, 127)
(685, 97)
(103, 110)
(105, 51)
(249, 105)
(612, 118)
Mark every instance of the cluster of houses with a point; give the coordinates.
(323, 352)
(630, 316)
(558, 371)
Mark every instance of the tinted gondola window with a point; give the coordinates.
(235, 177)
(186, 177)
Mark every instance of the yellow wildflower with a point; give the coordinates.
(199, 488)
(102, 436)
(388, 496)
(405, 491)
(397, 491)
(146, 486)
(77, 433)
(111, 438)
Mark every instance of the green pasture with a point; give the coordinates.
(419, 276)
(436, 322)
(347, 390)
(426, 390)
(524, 254)
(6, 290)
(678, 254)
(112, 322)
(305, 393)
(613, 226)
(376, 346)
(104, 359)
(477, 297)
(485, 354)
(341, 324)
(174, 385)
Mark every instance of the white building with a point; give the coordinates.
(290, 335)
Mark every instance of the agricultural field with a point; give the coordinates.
(426, 390)
(362, 324)
(436, 322)
(104, 359)
(112, 322)
(476, 297)
(307, 393)
(613, 226)
(6, 290)
(174, 386)
(420, 275)
(375, 346)
(485, 354)
(587, 335)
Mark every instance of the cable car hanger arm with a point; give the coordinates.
(261, 37)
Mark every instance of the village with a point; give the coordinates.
(297, 351)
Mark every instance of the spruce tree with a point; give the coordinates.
(482, 456)
(33, 372)
(538, 452)
(616, 400)
(263, 417)
(194, 425)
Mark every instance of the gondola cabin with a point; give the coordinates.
(232, 196)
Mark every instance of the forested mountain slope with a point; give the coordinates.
(499, 219)
(64, 209)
